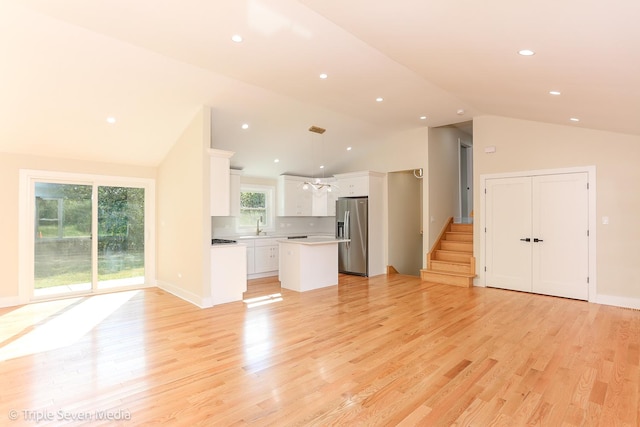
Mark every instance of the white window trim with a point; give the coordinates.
(28, 178)
(271, 204)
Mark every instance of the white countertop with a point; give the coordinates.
(314, 240)
(276, 236)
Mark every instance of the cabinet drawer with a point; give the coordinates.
(266, 242)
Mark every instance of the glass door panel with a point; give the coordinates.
(62, 239)
(120, 237)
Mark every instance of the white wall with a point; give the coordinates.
(525, 145)
(402, 151)
(183, 217)
(10, 165)
(442, 178)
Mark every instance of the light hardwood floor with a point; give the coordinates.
(379, 351)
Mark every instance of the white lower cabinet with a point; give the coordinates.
(266, 259)
(228, 275)
(262, 257)
(250, 259)
(266, 255)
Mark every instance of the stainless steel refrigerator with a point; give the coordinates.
(352, 223)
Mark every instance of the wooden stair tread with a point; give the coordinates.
(462, 227)
(444, 262)
(446, 252)
(451, 259)
(454, 279)
(448, 273)
(466, 247)
(450, 268)
(458, 237)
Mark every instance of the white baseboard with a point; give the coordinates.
(10, 301)
(262, 275)
(194, 299)
(618, 301)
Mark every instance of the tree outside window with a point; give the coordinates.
(256, 204)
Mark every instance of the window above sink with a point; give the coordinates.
(257, 209)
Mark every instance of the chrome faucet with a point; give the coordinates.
(258, 231)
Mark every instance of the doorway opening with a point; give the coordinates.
(405, 221)
(465, 173)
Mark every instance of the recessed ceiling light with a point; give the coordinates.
(574, 119)
(323, 76)
(276, 161)
(245, 126)
(379, 99)
(111, 120)
(423, 117)
(321, 166)
(526, 52)
(554, 92)
(348, 148)
(237, 38)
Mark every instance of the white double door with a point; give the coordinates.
(537, 234)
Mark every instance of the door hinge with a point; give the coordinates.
(587, 185)
(587, 233)
(587, 279)
(485, 269)
(485, 191)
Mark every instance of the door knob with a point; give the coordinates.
(525, 240)
(538, 240)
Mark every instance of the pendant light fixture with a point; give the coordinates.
(318, 184)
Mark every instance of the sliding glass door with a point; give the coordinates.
(120, 236)
(62, 244)
(87, 236)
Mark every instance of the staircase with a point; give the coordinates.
(451, 260)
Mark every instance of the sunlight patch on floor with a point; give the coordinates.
(264, 300)
(55, 324)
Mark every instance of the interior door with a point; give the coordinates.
(537, 234)
(508, 225)
(560, 224)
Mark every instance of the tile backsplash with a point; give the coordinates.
(284, 225)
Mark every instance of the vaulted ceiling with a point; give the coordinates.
(67, 65)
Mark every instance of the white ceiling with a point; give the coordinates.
(69, 64)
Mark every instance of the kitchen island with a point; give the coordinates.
(308, 263)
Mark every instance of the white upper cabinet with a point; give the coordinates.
(235, 192)
(293, 200)
(354, 184)
(220, 182)
(324, 201)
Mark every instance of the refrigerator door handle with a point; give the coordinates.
(347, 227)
